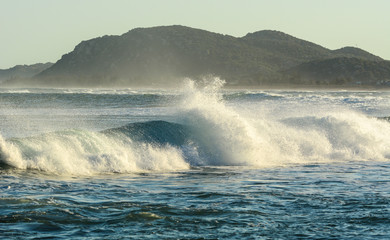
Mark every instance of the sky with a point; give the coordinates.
(34, 31)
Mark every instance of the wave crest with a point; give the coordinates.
(87, 153)
(207, 131)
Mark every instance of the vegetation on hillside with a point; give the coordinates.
(164, 55)
(341, 71)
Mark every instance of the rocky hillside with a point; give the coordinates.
(162, 56)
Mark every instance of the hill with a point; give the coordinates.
(22, 72)
(162, 56)
(357, 53)
(158, 55)
(341, 71)
(287, 50)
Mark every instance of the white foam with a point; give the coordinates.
(226, 138)
(19, 91)
(230, 136)
(86, 153)
(224, 134)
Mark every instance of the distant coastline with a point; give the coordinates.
(163, 56)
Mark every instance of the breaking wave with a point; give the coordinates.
(206, 132)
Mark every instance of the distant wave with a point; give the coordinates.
(18, 91)
(206, 132)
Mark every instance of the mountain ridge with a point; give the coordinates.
(163, 55)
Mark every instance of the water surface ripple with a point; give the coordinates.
(325, 201)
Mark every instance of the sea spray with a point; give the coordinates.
(78, 152)
(231, 136)
(319, 135)
(342, 136)
(223, 137)
(10, 155)
(205, 129)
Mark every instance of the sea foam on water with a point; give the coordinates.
(85, 153)
(225, 137)
(231, 136)
(211, 133)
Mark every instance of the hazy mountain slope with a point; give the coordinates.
(357, 53)
(341, 71)
(144, 56)
(161, 56)
(290, 51)
(22, 71)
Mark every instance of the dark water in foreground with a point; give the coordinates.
(195, 163)
(326, 201)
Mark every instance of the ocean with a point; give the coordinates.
(196, 162)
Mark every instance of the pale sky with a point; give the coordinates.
(33, 31)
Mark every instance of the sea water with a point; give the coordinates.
(196, 162)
